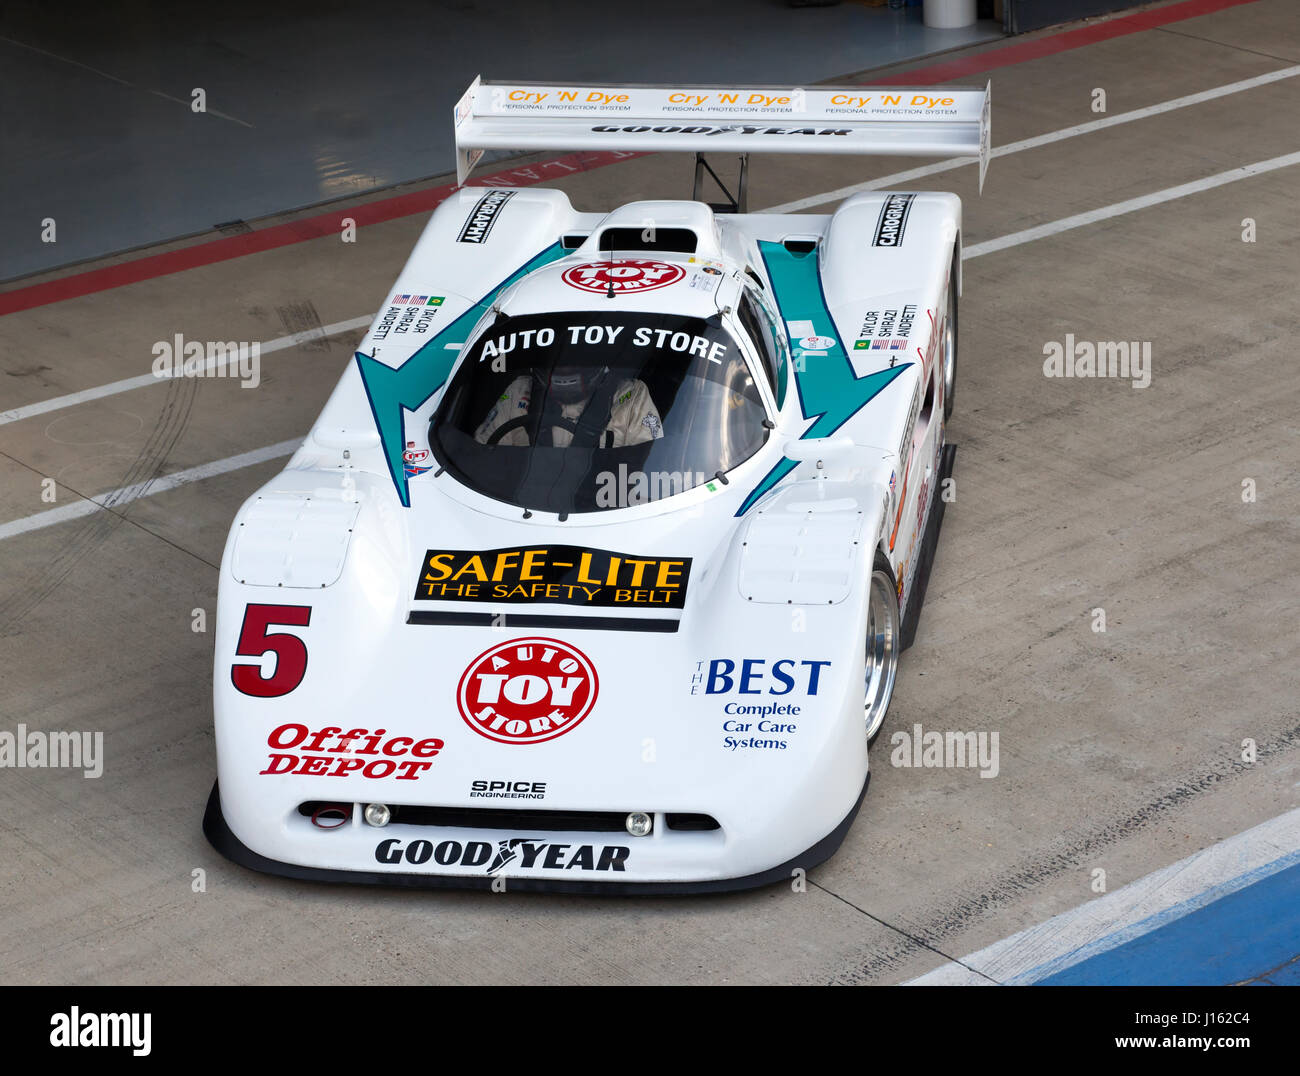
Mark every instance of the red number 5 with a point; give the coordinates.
(290, 651)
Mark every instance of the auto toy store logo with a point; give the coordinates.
(484, 215)
(527, 690)
(623, 275)
(515, 853)
(179, 357)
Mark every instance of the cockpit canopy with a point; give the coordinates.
(587, 411)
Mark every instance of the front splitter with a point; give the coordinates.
(224, 841)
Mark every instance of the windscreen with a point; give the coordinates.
(590, 411)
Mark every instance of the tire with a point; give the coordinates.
(882, 643)
(950, 341)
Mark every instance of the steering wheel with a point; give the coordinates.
(522, 420)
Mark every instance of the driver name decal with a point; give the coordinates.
(559, 574)
(623, 275)
(527, 690)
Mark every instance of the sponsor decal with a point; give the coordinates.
(886, 330)
(527, 691)
(478, 225)
(507, 790)
(624, 274)
(922, 504)
(515, 853)
(603, 336)
(562, 574)
(756, 676)
(713, 268)
(768, 727)
(414, 460)
(709, 129)
(407, 314)
(817, 343)
(334, 752)
(892, 221)
(770, 735)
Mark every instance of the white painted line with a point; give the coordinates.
(126, 494)
(58, 515)
(1133, 910)
(1079, 220)
(17, 414)
(902, 178)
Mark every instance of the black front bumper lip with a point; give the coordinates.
(224, 841)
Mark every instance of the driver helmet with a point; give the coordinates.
(571, 384)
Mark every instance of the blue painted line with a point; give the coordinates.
(1113, 940)
(1240, 936)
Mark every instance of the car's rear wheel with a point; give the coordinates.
(882, 646)
(950, 341)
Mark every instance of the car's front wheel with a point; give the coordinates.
(882, 646)
(950, 341)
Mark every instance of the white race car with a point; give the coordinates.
(594, 572)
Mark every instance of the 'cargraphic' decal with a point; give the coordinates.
(483, 216)
(527, 690)
(561, 574)
(893, 221)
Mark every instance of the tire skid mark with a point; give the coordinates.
(953, 918)
(95, 529)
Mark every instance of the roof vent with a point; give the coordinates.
(677, 240)
(663, 226)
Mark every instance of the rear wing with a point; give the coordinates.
(871, 120)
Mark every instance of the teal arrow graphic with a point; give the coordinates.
(393, 391)
(829, 391)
